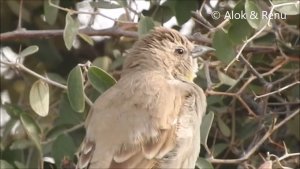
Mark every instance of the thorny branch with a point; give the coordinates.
(260, 31)
(257, 145)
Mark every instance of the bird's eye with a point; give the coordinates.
(179, 51)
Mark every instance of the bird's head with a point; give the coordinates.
(166, 50)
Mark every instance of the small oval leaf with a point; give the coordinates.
(50, 11)
(183, 10)
(225, 79)
(223, 45)
(28, 51)
(86, 38)
(205, 127)
(145, 25)
(20, 144)
(219, 148)
(105, 5)
(13, 110)
(5, 165)
(292, 9)
(32, 129)
(70, 31)
(99, 79)
(39, 98)
(65, 148)
(253, 14)
(56, 77)
(203, 164)
(223, 127)
(240, 29)
(75, 89)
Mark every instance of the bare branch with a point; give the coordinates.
(257, 145)
(20, 16)
(259, 32)
(40, 34)
(278, 91)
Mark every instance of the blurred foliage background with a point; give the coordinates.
(58, 56)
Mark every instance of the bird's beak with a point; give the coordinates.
(200, 50)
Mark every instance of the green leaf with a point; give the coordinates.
(105, 5)
(287, 9)
(20, 144)
(123, 3)
(253, 13)
(70, 31)
(240, 29)
(14, 6)
(13, 110)
(294, 124)
(219, 148)
(183, 10)
(205, 127)
(224, 47)
(226, 79)
(75, 89)
(32, 129)
(104, 62)
(63, 147)
(28, 51)
(19, 165)
(50, 11)
(160, 13)
(246, 128)
(39, 98)
(86, 38)
(223, 127)
(5, 165)
(7, 131)
(67, 115)
(99, 79)
(203, 164)
(145, 25)
(240, 32)
(57, 78)
(57, 130)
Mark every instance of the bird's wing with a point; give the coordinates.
(132, 128)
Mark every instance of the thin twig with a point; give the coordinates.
(20, 15)
(278, 91)
(257, 145)
(259, 32)
(254, 71)
(288, 155)
(49, 81)
(69, 130)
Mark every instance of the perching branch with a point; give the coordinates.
(42, 34)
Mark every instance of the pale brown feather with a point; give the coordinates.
(149, 119)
